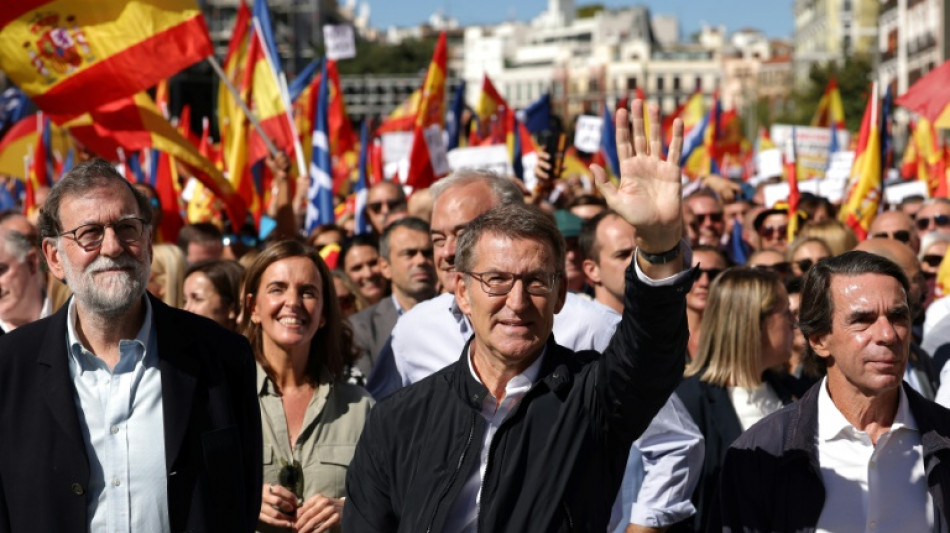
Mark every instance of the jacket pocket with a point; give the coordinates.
(329, 471)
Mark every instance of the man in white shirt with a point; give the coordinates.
(861, 450)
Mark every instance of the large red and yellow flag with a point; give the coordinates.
(430, 121)
(865, 185)
(134, 124)
(924, 158)
(830, 112)
(71, 56)
(404, 116)
(247, 67)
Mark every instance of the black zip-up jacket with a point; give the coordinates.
(555, 463)
(771, 480)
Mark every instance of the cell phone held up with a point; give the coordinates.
(554, 142)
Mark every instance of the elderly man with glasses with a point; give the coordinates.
(895, 225)
(521, 434)
(123, 413)
(934, 215)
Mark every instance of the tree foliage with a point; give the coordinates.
(589, 10)
(854, 83)
(409, 56)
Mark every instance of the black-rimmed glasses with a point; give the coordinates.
(939, 221)
(501, 283)
(90, 236)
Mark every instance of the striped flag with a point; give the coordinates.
(320, 192)
(427, 161)
(865, 187)
(794, 196)
(72, 56)
(361, 189)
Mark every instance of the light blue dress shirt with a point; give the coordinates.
(120, 413)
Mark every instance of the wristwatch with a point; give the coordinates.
(661, 258)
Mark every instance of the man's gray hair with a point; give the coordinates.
(503, 189)
(514, 221)
(938, 200)
(16, 244)
(81, 179)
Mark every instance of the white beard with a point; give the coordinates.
(107, 295)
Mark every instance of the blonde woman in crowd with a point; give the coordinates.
(168, 274)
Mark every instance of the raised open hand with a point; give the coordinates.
(649, 196)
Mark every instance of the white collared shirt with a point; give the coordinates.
(120, 414)
(871, 488)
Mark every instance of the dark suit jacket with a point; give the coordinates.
(212, 428)
(371, 329)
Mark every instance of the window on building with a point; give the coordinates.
(659, 83)
(699, 83)
(631, 84)
(676, 83)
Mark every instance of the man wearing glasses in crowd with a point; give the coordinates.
(934, 215)
(119, 413)
(898, 226)
(521, 434)
(704, 213)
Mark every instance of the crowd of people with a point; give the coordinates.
(620, 357)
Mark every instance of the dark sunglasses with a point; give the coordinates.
(932, 260)
(377, 207)
(804, 264)
(713, 217)
(940, 221)
(711, 273)
(778, 268)
(771, 232)
(900, 235)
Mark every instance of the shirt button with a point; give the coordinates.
(114, 429)
(116, 482)
(77, 489)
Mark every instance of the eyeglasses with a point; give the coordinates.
(778, 268)
(939, 221)
(805, 264)
(900, 235)
(90, 236)
(772, 232)
(713, 217)
(711, 273)
(932, 260)
(501, 283)
(391, 205)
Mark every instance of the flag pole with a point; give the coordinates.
(271, 148)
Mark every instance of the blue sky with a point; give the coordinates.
(772, 17)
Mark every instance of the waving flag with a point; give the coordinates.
(320, 192)
(924, 158)
(14, 105)
(830, 112)
(791, 175)
(865, 185)
(303, 79)
(404, 116)
(136, 123)
(454, 118)
(426, 157)
(71, 56)
(537, 116)
(608, 143)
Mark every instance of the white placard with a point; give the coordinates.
(769, 162)
(811, 147)
(894, 194)
(494, 158)
(339, 41)
(435, 142)
(588, 132)
(528, 162)
(396, 145)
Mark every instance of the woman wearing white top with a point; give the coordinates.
(747, 330)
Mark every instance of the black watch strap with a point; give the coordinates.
(662, 258)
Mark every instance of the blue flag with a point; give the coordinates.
(738, 248)
(320, 192)
(361, 189)
(303, 79)
(694, 139)
(262, 23)
(608, 143)
(135, 166)
(13, 107)
(537, 116)
(453, 119)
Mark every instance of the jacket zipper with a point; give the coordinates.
(458, 468)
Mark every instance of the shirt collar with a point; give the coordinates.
(143, 339)
(831, 422)
(398, 307)
(528, 377)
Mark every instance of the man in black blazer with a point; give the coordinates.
(119, 413)
(405, 254)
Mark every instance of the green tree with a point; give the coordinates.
(854, 83)
(411, 55)
(588, 11)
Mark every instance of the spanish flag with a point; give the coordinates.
(865, 186)
(135, 123)
(72, 56)
(424, 169)
(830, 112)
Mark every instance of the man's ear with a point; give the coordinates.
(462, 295)
(561, 293)
(819, 343)
(385, 268)
(592, 271)
(53, 259)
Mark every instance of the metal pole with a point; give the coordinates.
(237, 96)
